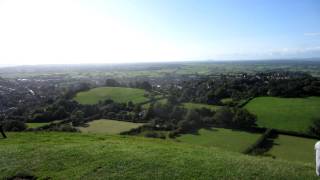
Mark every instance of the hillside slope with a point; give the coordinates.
(87, 156)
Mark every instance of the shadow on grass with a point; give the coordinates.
(266, 146)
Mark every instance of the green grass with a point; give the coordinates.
(109, 126)
(118, 94)
(36, 125)
(162, 101)
(90, 156)
(226, 100)
(223, 138)
(293, 149)
(163, 133)
(199, 106)
(294, 114)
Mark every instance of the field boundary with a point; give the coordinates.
(241, 105)
(151, 100)
(260, 142)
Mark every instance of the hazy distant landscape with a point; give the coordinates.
(265, 109)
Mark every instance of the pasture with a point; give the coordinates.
(117, 94)
(57, 155)
(293, 149)
(293, 114)
(223, 138)
(106, 126)
(36, 125)
(161, 101)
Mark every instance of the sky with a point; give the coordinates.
(121, 31)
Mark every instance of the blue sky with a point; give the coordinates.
(37, 32)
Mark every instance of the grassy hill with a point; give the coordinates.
(107, 126)
(294, 114)
(228, 139)
(88, 156)
(117, 94)
(293, 148)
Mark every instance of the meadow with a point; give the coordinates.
(117, 94)
(54, 155)
(161, 101)
(293, 114)
(227, 139)
(293, 148)
(36, 125)
(106, 126)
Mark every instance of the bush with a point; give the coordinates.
(155, 135)
(244, 119)
(14, 125)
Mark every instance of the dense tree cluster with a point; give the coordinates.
(13, 125)
(213, 89)
(181, 120)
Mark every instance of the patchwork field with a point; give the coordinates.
(293, 149)
(223, 138)
(294, 114)
(106, 126)
(199, 106)
(36, 125)
(117, 94)
(52, 155)
(162, 101)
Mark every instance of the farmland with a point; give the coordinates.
(161, 101)
(223, 138)
(106, 126)
(117, 94)
(49, 155)
(36, 125)
(293, 114)
(293, 148)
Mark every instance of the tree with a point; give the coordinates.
(223, 116)
(130, 105)
(149, 113)
(314, 129)
(77, 117)
(2, 132)
(177, 113)
(13, 125)
(191, 121)
(112, 83)
(172, 100)
(60, 113)
(137, 108)
(146, 85)
(243, 119)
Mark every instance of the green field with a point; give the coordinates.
(117, 94)
(162, 101)
(199, 106)
(294, 114)
(293, 149)
(223, 138)
(107, 126)
(36, 125)
(52, 155)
